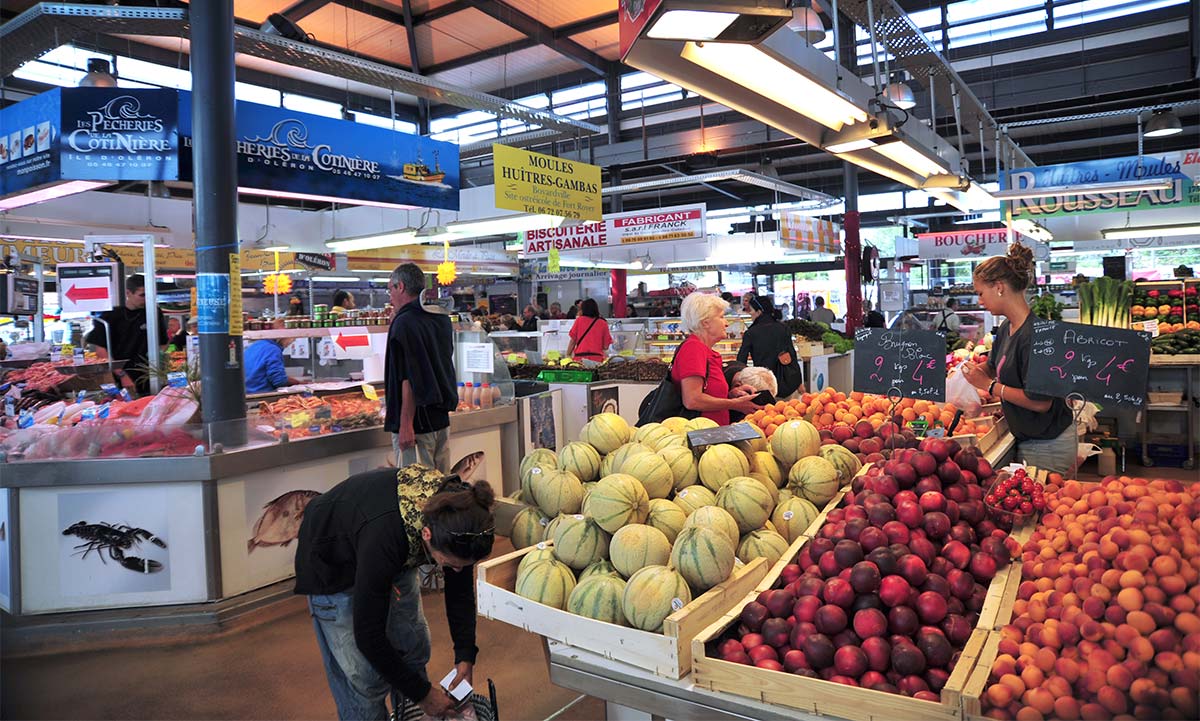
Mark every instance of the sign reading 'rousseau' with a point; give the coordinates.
(536, 183)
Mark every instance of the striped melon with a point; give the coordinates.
(814, 478)
(682, 461)
(556, 492)
(768, 526)
(553, 525)
(764, 464)
(606, 432)
(587, 488)
(760, 444)
(529, 527)
(767, 484)
(581, 459)
(602, 567)
(616, 501)
(717, 519)
(614, 460)
(636, 546)
(599, 597)
(539, 466)
(700, 424)
(666, 517)
(794, 440)
(543, 457)
(748, 501)
(649, 468)
(672, 440)
(550, 582)
(651, 595)
(541, 552)
(676, 425)
(793, 516)
(846, 463)
(695, 497)
(579, 542)
(762, 544)
(703, 556)
(720, 463)
(652, 434)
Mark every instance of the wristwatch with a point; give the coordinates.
(991, 386)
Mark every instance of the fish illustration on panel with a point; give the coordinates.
(279, 523)
(466, 466)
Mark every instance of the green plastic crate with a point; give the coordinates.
(567, 376)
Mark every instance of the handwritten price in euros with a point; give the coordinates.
(1087, 363)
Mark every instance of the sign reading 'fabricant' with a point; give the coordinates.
(535, 183)
(685, 222)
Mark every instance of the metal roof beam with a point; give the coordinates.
(301, 9)
(562, 33)
(414, 60)
(542, 34)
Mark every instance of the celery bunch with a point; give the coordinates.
(1105, 301)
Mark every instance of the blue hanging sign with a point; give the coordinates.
(286, 153)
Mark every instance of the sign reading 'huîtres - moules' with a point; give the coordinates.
(543, 184)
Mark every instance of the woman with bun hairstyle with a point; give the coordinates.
(1042, 425)
(359, 549)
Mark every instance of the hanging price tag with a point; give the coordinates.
(553, 261)
(369, 392)
(55, 353)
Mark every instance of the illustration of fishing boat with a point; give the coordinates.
(419, 172)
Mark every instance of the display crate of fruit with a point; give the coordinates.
(666, 654)
(851, 683)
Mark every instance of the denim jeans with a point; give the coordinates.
(1057, 455)
(358, 689)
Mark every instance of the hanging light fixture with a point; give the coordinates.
(99, 75)
(1164, 122)
(806, 23)
(898, 93)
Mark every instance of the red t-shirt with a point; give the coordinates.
(594, 343)
(696, 359)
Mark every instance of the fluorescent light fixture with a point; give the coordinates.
(761, 73)
(1122, 186)
(337, 279)
(850, 146)
(1152, 231)
(373, 242)
(322, 198)
(690, 25)
(507, 224)
(42, 238)
(1032, 229)
(276, 248)
(989, 217)
(911, 158)
(42, 193)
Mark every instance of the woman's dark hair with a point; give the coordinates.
(590, 308)
(340, 297)
(1014, 269)
(765, 304)
(459, 518)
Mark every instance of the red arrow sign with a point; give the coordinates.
(351, 341)
(76, 293)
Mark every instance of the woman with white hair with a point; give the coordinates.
(697, 366)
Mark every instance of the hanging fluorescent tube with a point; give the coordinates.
(1151, 231)
(911, 158)
(1123, 186)
(719, 20)
(265, 192)
(43, 193)
(508, 224)
(850, 146)
(691, 25)
(761, 73)
(373, 242)
(337, 279)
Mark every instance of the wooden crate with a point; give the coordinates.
(977, 682)
(998, 431)
(667, 654)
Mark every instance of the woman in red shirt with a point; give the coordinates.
(697, 366)
(590, 338)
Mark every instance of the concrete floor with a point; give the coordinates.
(269, 671)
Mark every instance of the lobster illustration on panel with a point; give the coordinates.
(105, 538)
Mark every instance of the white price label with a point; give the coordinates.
(326, 350)
(299, 349)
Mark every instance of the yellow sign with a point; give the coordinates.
(467, 259)
(165, 259)
(235, 294)
(803, 232)
(536, 183)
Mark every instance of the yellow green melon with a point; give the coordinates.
(652, 434)
(720, 463)
(543, 461)
(557, 492)
(793, 516)
(651, 595)
(549, 582)
(581, 459)
(652, 470)
(703, 556)
(748, 501)
(682, 462)
(672, 440)
(676, 425)
(794, 440)
(694, 497)
(814, 478)
(764, 464)
(700, 424)
(846, 463)
(762, 544)
(599, 597)
(602, 567)
(529, 527)
(636, 546)
(617, 500)
(606, 432)
(666, 517)
(579, 542)
(717, 519)
(541, 552)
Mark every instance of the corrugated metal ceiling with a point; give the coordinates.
(359, 33)
(605, 41)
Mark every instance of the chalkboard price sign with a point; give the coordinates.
(1107, 365)
(913, 361)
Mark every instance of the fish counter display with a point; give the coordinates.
(188, 521)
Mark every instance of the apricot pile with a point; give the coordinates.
(1105, 624)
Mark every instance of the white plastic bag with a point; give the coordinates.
(961, 394)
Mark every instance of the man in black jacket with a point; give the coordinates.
(129, 342)
(419, 376)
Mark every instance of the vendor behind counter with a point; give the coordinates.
(128, 343)
(263, 364)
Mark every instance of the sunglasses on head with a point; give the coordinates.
(473, 534)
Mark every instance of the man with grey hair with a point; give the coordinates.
(419, 375)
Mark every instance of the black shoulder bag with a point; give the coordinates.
(666, 400)
(578, 342)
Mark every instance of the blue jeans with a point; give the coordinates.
(358, 689)
(1057, 455)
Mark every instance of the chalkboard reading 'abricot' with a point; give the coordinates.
(912, 361)
(1109, 366)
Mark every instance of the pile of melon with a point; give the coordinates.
(630, 524)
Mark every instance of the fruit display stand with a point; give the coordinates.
(1170, 370)
(667, 654)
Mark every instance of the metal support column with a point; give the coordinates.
(223, 394)
(620, 290)
(612, 102)
(853, 250)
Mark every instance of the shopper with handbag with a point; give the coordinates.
(590, 337)
(768, 344)
(697, 369)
